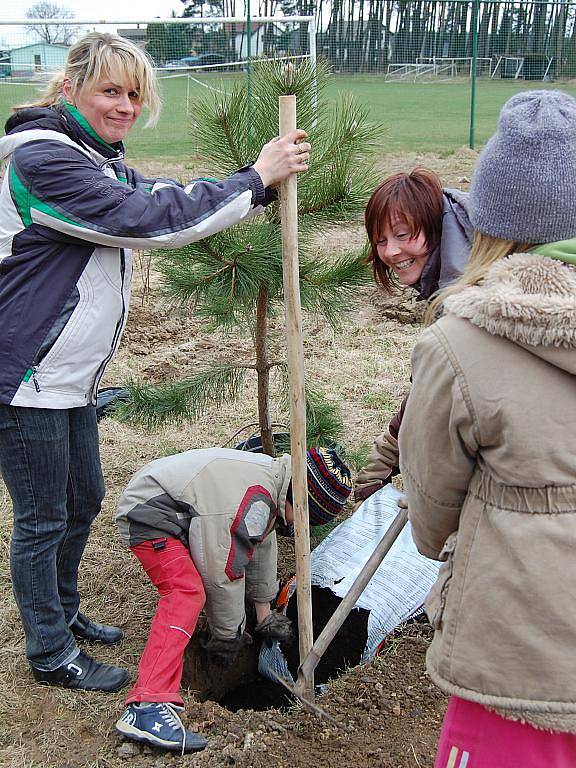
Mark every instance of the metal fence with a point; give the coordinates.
(32, 49)
(434, 72)
(540, 33)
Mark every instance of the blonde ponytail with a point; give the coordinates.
(485, 251)
(50, 96)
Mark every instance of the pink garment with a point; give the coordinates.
(474, 737)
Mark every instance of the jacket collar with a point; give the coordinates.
(66, 119)
(88, 135)
(448, 259)
(527, 298)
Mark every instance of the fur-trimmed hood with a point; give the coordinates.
(529, 299)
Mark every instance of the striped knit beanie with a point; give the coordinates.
(329, 485)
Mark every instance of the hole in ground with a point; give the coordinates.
(344, 651)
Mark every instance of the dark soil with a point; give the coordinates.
(345, 651)
(389, 716)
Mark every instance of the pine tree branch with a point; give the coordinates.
(329, 287)
(324, 422)
(185, 399)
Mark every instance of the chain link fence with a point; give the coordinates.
(192, 58)
(434, 72)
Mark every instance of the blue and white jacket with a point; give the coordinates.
(70, 211)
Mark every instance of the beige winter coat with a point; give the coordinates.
(488, 458)
(224, 505)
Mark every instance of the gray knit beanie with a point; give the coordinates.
(524, 185)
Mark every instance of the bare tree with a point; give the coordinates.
(55, 34)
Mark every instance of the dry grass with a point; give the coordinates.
(365, 368)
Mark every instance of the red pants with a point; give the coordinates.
(475, 737)
(170, 568)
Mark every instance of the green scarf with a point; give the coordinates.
(563, 250)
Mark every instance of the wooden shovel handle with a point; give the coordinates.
(307, 667)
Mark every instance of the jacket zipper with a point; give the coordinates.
(31, 374)
(115, 340)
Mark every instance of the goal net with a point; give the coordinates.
(190, 55)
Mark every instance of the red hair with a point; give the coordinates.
(416, 199)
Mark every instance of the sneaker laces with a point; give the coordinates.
(169, 714)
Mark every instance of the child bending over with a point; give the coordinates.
(202, 523)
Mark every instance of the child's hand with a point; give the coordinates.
(223, 653)
(276, 626)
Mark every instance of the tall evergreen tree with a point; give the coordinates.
(234, 278)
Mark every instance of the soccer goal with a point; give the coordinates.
(409, 72)
(528, 67)
(508, 66)
(190, 55)
(458, 66)
(436, 69)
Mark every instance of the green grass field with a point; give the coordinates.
(424, 117)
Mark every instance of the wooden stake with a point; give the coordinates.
(291, 273)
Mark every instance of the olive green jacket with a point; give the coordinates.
(488, 458)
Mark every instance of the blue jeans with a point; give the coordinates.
(50, 462)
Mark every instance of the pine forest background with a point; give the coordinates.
(434, 73)
(368, 35)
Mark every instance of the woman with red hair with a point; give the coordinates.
(419, 236)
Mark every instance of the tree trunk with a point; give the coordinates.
(263, 370)
(560, 38)
(483, 27)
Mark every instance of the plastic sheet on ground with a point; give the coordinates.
(397, 590)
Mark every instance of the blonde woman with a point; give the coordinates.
(70, 211)
(488, 454)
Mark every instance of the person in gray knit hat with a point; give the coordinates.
(487, 454)
(523, 186)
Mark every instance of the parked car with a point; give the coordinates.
(210, 59)
(202, 60)
(173, 64)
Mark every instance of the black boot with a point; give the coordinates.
(92, 632)
(85, 673)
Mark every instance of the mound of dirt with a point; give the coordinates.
(389, 716)
(401, 306)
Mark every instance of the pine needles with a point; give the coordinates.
(183, 399)
(234, 278)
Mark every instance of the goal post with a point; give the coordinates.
(191, 57)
